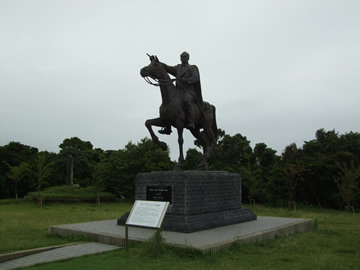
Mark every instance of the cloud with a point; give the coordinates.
(275, 70)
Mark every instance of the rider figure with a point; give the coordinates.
(187, 81)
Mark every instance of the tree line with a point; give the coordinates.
(324, 171)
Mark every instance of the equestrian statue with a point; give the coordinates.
(182, 106)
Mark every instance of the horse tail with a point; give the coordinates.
(214, 125)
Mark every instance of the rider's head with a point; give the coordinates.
(184, 57)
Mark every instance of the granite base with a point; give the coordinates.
(198, 200)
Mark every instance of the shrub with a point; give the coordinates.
(70, 193)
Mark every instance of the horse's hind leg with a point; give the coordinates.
(159, 123)
(181, 151)
(212, 143)
(203, 142)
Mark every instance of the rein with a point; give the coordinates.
(158, 82)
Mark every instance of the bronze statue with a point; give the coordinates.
(188, 81)
(182, 106)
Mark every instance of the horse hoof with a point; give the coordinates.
(163, 146)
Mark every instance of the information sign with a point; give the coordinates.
(147, 213)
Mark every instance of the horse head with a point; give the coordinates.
(153, 69)
(156, 71)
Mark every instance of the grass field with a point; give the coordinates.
(334, 243)
(24, 225)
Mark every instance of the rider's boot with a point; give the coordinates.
(165, 130)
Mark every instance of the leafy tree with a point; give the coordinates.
(84, 159)
(267, 163)
(193, 159)
(292, 176)
(306, 174)
(350, 143)
(265, 157)
(17, 173)
(107, 173)
(43, 171)
(117, 171)
(257, 168)
(231, 153)
(251, 175)
(347, 183)
(98, 179)
(292, 168)
(320, 156)
(14, 153)
(58, 169)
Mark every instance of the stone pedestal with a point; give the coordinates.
(198, 200)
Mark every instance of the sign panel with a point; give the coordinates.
(147, 213)
(158, 193)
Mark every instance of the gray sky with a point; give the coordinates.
(276, 71)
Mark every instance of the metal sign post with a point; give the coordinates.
(146, 214)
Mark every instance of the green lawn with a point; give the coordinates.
(334, 244)
(24, 225)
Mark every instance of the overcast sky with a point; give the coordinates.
(276, 71)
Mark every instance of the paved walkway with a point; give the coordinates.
(212, 240)
(110, 236)
(57, 254)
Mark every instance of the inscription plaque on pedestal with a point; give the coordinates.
(158, 193)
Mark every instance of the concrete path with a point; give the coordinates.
(108, 232)
(57, 254)
(109, 236)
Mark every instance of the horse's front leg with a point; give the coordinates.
(159, 123)
(181, 152)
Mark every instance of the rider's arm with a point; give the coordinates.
(170, 69)
(195, 77)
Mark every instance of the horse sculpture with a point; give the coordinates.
(172, 113)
